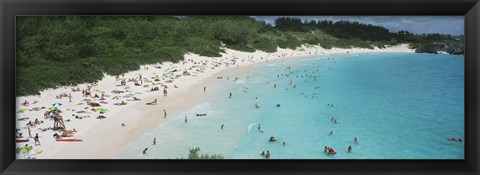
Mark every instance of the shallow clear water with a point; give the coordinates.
(400, 106)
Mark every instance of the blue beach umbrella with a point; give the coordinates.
(57, 104)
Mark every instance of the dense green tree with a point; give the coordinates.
(54, 51)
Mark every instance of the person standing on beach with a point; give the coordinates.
(145, 151)
(230, 95)
(165, 92)
(221, 127)
(204, 89)
(70, 97)
(29, 132)
(36, 140)
(164, 113)
(186, 119)
(154, 141)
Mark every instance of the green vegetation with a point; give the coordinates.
(55, 51)
(194, 153)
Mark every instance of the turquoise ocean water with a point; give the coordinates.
(398, 105)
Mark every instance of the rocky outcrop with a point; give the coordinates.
(454, 49)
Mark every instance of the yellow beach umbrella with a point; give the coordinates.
(98, 91)
(22, 111)
(53, 108)
(37, 151)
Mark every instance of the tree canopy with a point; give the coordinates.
(56, 51)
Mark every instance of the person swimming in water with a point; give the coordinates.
(355, 140)
(272, 139)
(263, 153)
(267, 156)
(349, 149)
(455, 140)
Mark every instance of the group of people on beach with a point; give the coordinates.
(292, 84)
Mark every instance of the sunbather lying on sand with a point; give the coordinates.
(153, 103)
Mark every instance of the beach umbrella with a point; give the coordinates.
(81, 103)
(101, 110)
(138, 93)
(94, 99)
(53, 108)
(117, 97)
(57, 104)
(22, 111)
(24, 149)
(35, 152)
(98, 91)
(17, 150)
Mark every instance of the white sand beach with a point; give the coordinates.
(103, 137)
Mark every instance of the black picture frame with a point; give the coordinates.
(12, 8)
